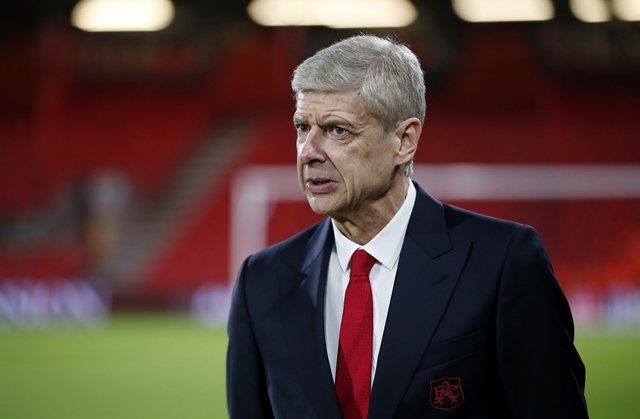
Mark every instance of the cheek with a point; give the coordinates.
(382, 158)
(300, 170)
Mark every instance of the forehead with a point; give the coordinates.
(321, 105)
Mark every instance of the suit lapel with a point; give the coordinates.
(428, 271)
(302, 295)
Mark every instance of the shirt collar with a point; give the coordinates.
(386, 245)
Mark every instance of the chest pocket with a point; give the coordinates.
(440, 352)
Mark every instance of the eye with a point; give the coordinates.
(300, 127)
(337, 131)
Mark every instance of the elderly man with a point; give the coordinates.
(397, 305)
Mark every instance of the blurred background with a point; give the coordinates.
(142, 160)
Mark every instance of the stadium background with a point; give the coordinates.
(137, 169)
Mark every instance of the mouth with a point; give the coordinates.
(317, 181)
(319, 185)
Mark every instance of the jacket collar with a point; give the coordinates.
(428, 270)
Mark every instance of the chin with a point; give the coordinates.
(318, 207)
(319, 210)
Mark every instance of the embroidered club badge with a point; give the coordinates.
(446, 393)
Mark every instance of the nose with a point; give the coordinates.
(310, 148)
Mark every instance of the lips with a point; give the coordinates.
(319, 185)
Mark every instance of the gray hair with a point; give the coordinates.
(386, 73)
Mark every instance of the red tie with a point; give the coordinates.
(353, 371)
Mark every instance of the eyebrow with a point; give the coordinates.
(330, 120)
(336, 121)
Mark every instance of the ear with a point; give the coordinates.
(408, 134)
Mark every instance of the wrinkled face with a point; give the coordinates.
(346, 166)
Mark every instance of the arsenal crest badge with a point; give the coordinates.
(446, 393)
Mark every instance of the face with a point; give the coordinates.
(347, 168)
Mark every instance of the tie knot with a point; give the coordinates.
(361, 263)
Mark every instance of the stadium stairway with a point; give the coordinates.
(148, 225)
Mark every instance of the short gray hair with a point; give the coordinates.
(387, 75)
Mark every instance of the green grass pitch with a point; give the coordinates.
(168, 366)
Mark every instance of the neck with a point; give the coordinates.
(364, 225)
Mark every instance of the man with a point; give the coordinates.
(396, 306)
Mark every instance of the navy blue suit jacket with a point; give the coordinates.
(478, 327)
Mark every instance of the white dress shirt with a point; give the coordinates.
(385, 248)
